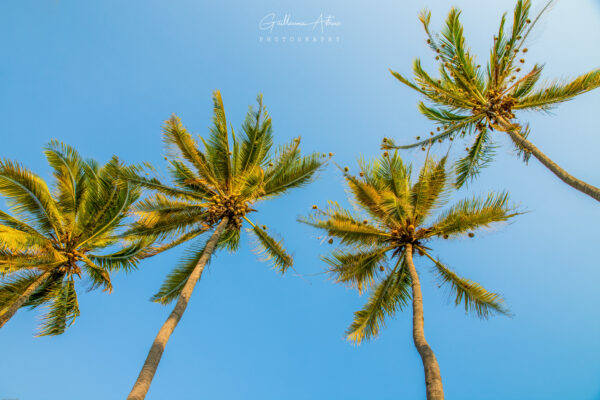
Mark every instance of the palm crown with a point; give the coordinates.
(469, 100)
(54, 238)
(394, 215)
(225, 179)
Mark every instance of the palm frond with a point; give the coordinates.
(341, 223)
(474, 296)
(29, 197)
(176, 279)
(271, 249)
(294, 174)
(257, 140)
(356, 268)
(391, 295)
(474, 213)
(175, 134)
(479, 155)
(62, 312)
(217, 147)
(557, 92)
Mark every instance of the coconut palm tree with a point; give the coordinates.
(393, 222)
(467, 100)
(213, 191)
(55, 238)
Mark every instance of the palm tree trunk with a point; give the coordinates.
(14, 307)
(433, 378)
(563, 175)
(141, 386)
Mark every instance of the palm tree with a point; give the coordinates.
(393, 222)
(465, 100)
(213, 191)
(56, 237)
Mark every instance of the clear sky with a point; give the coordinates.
(104, 75)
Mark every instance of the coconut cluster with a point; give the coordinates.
(227, 206)
(497, 106)
(70, 266)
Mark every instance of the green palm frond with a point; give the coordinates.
(479, 155)
(136, 175)
(296, 173)
(430, 190)
(391, 295)
(357, 268)
(29, 197)
(126, 258)
(14, 284)
(271, 249)
(257, 140)
(69, 174)
(217, 147)
(98, 275)
(474, 296)
(175, 134)
(474, 213)
(62, 311)
(176, 279)
(556, 92)
(342, 224)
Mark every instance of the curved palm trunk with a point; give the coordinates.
(14, 307)
(563, 175)
(141, 386)
(433, 378)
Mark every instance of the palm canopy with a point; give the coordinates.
(223, 178)
(392, 212)
(467, 100)
(57, 236)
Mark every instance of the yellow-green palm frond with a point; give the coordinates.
(28, 196)
(344, 225)
(479, 155)
(271, 249)
(431, 189)
(179, 142)
(292, 171)
(474, 296)
(357, 268)
(367, 198)
(69, 174)
(250, 184)
(556, 92)
(12, 285)
(140, 175)
(389, 296)
(257, 139)
(62, 311)
(176, 279)
(217, 147)
(475, 213)
(106, 207)
(185, 178)
(98, 276)
(125, 258)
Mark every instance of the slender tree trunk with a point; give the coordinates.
(433, 378)
(141, 386)
(563, 175)
(14, 307)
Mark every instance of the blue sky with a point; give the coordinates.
(103, 75)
